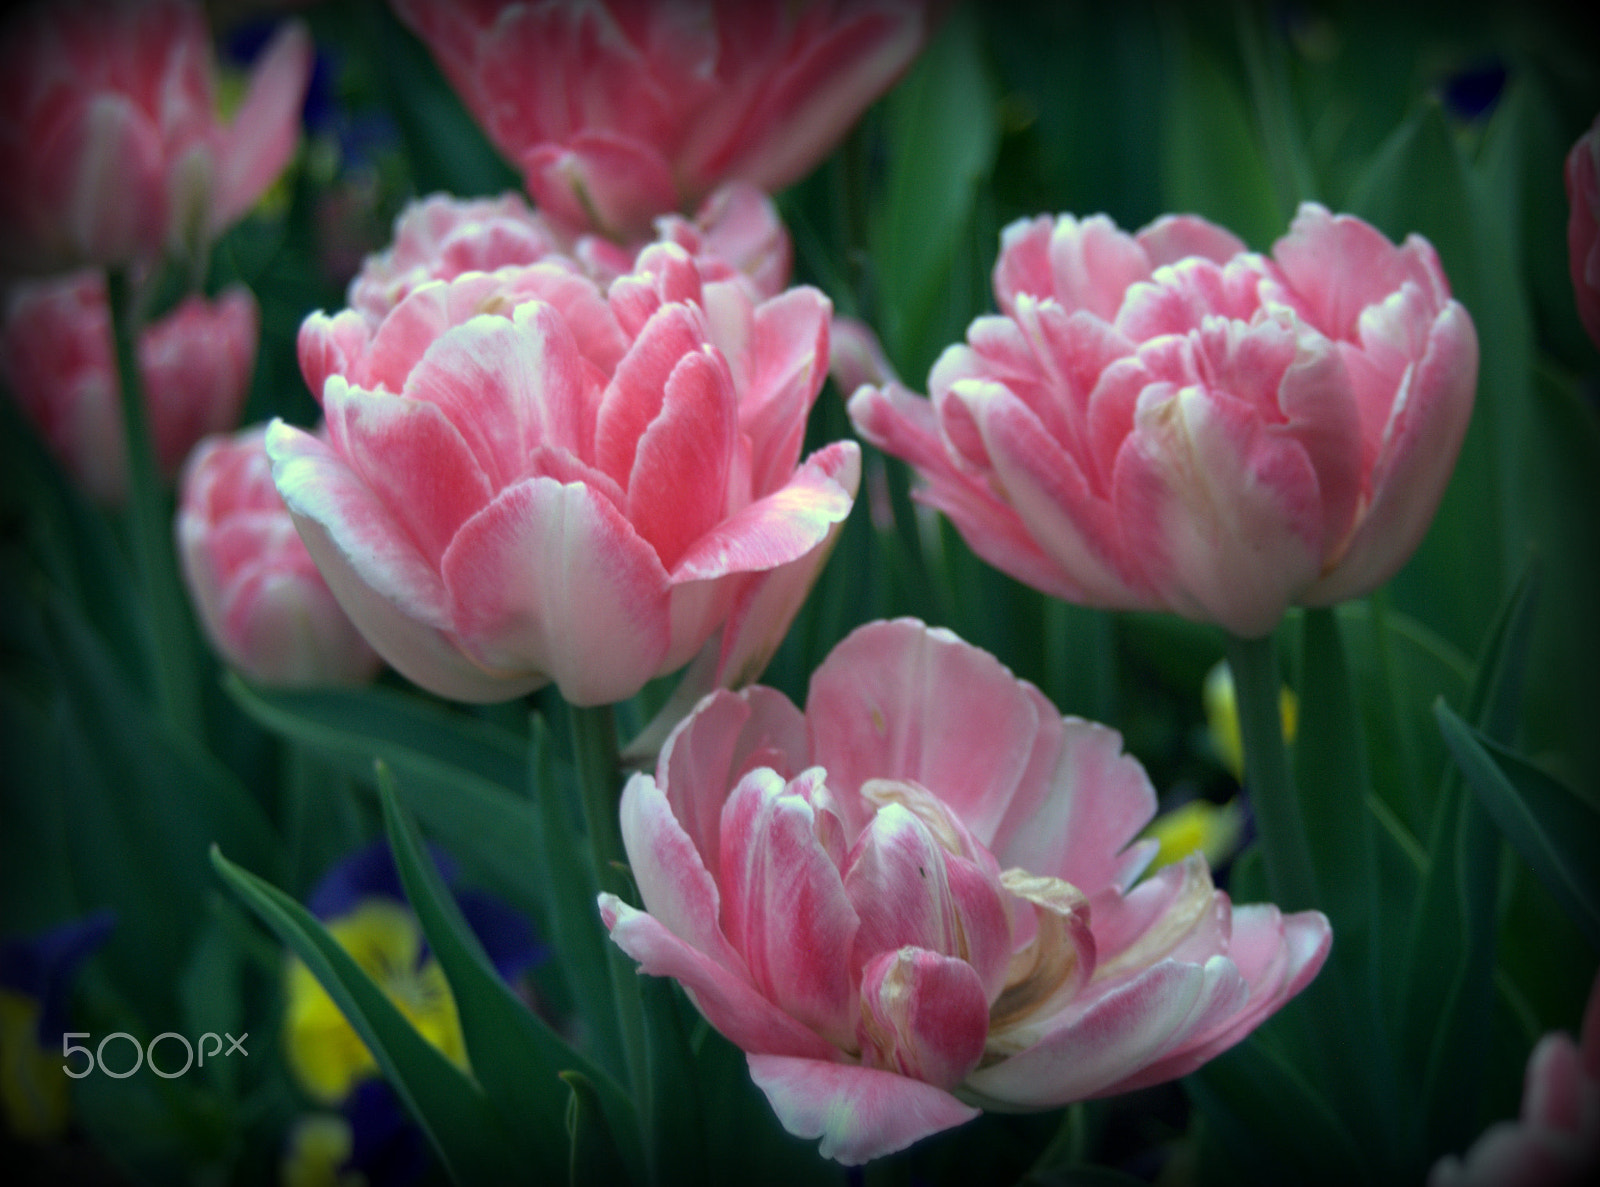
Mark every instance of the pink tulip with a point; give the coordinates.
(857, 356)
(56, 354)
(1166, 421)
(619, 111)
(1556, 1142)
(527, 479)
(737, 233)
(1583, 227)
(110, 141)
(916, 900)
(259, 596)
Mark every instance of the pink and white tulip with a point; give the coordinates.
(1556, 1141)
(259, 596)
(529, 479)
(917, 900)
(110, 139)
(735, 234)
(57, 357)
(1583, 227)
(620, 111)
(1165, 420)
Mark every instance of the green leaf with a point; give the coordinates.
(1343, 1007)
(1400, 666)
(513, 1054)
(1446, 991)
(451, 1109)
(567, 882)
(143, 807)
(1211, 158)
(1273, 1121)
(1331, 777)
(461, 775)
(1554, 830)
(408, 732)
(592, 1148)
(941, 126)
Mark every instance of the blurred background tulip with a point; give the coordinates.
(1555, 1142)
(111, 142)
(618, 112)
(196, 365)
(736, 233)
(1583, 227)
(259, 596)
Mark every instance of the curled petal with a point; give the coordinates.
(784, 905)
(266, 126)
(1095, 1044)
(1426, 426)
(859, 1113)
(739, 1012)
(923, 1015)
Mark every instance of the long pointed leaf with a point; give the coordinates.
(1447, 991)
(1555, 831)
(514, 1056)
(1344, 1006)
(451, 1109)
(1272, 1119)
(460, 775)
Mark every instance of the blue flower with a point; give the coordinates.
(35, 989)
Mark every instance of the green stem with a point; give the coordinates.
(1284, 849)
(594, 752)
(170, 632)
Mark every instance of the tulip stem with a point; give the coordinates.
(595, 754)
(1291, 878)
(166, 614)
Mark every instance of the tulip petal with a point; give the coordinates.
(900, 700)
(678, 488)
(266, 126)
(673, 880)
(392, 596)
(634, 396)
(784, 905)
(1295, 948)
(509, 386)
(550, 578)
(729, 1003)
(1050, 493)
(612, 184)
(909, 890)
(781, 528)
(1101, 1042)
(725, 738)
(1081, 812)
(789, 347)
(768, 603)
(318, 486)
(1092, 263)
(1228, 516)
(1338, 265)
(1426, 426)
(412, 459)
(903, 424)
(923, 1015)
(859, 1113)
(1175, 237)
